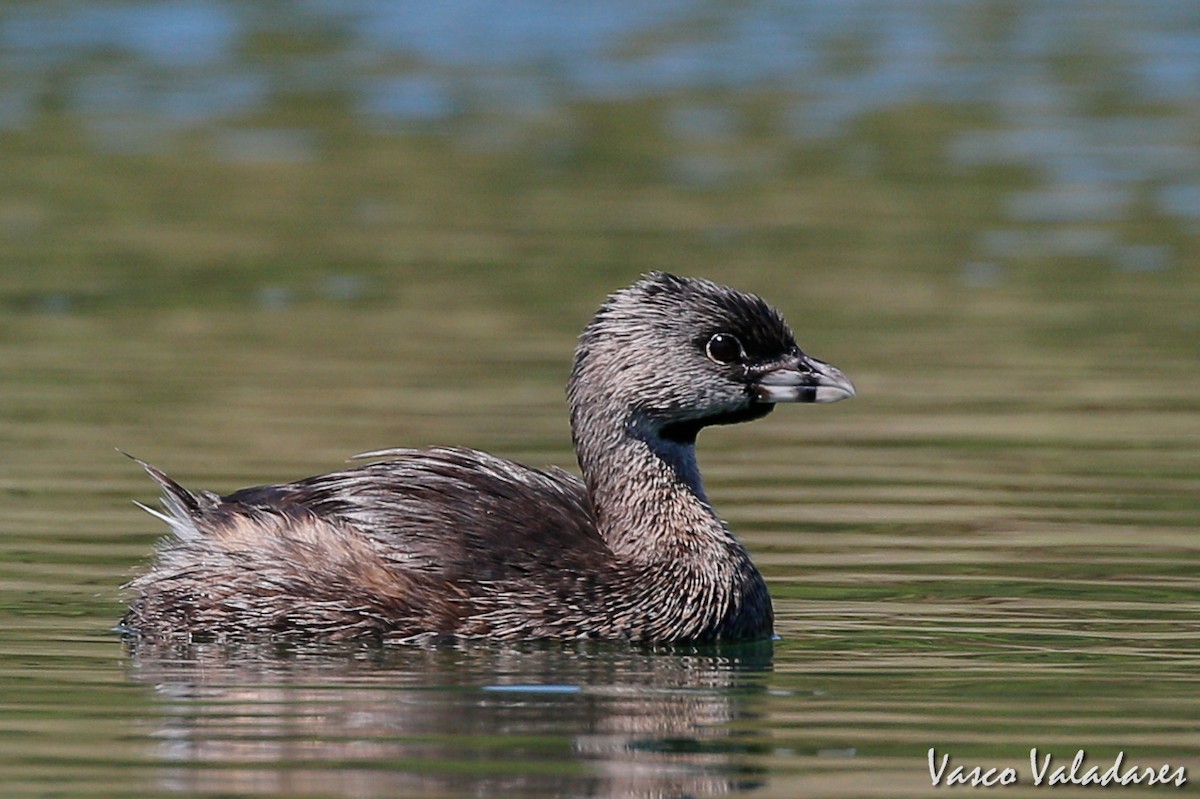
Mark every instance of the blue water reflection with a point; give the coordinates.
(1096, 100)
(187, 34)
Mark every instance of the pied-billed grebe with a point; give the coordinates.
(455, 541)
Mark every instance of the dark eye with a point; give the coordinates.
(724, 348)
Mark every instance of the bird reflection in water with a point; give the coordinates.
(454, 719)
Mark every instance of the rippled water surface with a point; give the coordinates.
(245, 245)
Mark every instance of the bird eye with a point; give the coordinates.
(724, 348)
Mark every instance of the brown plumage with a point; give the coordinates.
(459, 542)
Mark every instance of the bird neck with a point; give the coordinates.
(646, 493)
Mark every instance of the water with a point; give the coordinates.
(245, 245)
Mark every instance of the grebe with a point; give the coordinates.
(458, 542)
